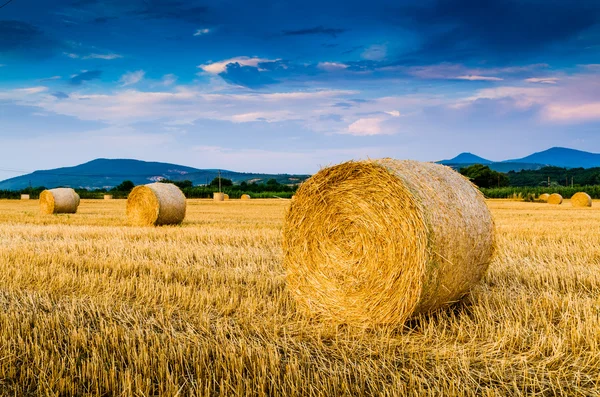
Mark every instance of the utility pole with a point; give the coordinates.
(571, 181)
(566, 181)
(548, 181)
(219, 181)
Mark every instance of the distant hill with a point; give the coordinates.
(108, 173)
(466, 158)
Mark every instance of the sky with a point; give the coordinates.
(293, 86)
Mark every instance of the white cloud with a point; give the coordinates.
(23, 94)
(366, 127)
(542, 80)
(573, 112)
(331, 66)
(394, 113)
(103, 56)
(478, 78)
(219, 67)
(131, 78)
(200, 32)
(169, 79)
(71, 55)
(376, 52)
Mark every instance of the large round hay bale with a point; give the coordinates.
(581, 199)
(25, 197)
(555, 198)
(108, 197)
(218, 196)
(59, 201)
(374, 242)
(245, 197)
(225, 196)
(544, 197)
(156, 204)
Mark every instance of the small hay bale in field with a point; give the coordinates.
(156, 204)
(581, 199)
(374, 242)
(59, 201)
(225, 196)
(555, 198)
(25, 197)
(245, 197)
(108, 197)
(218, 196)
(543, 197)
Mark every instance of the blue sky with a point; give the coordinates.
(288, 86)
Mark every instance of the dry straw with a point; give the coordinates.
(555, 198)
(218, 196)
(108, 197)
(544, 197)
(225, 196)
(25, 197)
(374, 242)
(156, 204)
(59, 201)
(581, 199)
(245, 197)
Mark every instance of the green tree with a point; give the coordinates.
(224, 182)
(125, 186)
(483, 176)
(272, 182)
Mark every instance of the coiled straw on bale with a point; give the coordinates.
(108, 197)
(218, 196)
(24, 197)
(225, 196)
(543, 197)
(245, 197)
(555, 198)
(374, 242)
(156, 204)
(581, 199)
(59, 201)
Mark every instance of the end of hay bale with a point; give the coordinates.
(543, 197)
(555, 198)
(375, 242)
(245, 197)
(59, 201)
(581, 199)
(225, 196)
(108, 197)
(156, 204)
(24, 197)
(218, 196)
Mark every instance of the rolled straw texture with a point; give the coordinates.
(555, 198)
(581, 199)
(544, 197)
(245, 197)
(225, 196)
(374, 242)
(156, 204)
(25, 197)
(218, 196)
(59, 201)
(108, 197)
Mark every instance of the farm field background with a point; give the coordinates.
(92, 306)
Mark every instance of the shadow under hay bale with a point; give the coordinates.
(581, 199)
(375, 242)
(555, 198)
(59, 201)
(156, 204)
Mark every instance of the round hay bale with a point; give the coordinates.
(24, 197)
(543, 197)
(245, 197)
(225, 196)
(555, 198)
(581, 199)
(218, 196)
(59, 201)
(108, 197)
(374, 242)
(156, 204)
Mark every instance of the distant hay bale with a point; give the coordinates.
(555, 198)
(59, 201)
(245, 197)
(108, 197)
(581, 199)
(544, 197)
(218, 196)
(225, 196)
(156, 204)
(24, 197)
(374, 242)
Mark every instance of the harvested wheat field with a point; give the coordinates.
(92, 306)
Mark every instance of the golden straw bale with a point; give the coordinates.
(544, 197)
(25, 197)
(108, 197)
(555, 198)
(581, 199)
(374, 242)
(245, 197)
(225, 196)
(156, 204)
(59, 201)
(218, 196)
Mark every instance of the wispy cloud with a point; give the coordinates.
(376, 52)
(542, 80)
(103, 56)
(71, 55)
(131, 78)
(478, 78)
(201, 32)
(85, 75)
(221, 66)
(331, 66)
(169, 79)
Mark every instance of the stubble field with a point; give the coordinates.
(92, 306)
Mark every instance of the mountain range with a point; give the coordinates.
(107, 173)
